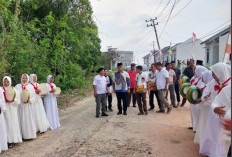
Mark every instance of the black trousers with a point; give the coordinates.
(122, 97)
(151, 99)
(177, 89)
(109, 97)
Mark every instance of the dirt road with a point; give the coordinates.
(82, 134)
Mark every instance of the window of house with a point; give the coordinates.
(207, 55)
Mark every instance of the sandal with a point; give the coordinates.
(11, 145)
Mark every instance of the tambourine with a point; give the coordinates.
(184, 89)
(25, 96)
(57, 91)
(194, 93)
(10, 94)
(43, 87)
(185, 79)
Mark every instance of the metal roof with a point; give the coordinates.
(221, 33)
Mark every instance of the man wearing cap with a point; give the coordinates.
(100, 90)
(121, 86)
(199, 62)
(132, 73)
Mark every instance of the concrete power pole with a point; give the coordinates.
(154, 25)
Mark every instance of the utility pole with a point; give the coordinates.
(154, 25)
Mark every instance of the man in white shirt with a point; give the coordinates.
(100, 90)
(152, 90)
(171, 85)
(141, 90)
(162, 79)
(121, 86)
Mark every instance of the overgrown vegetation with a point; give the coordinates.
(57, 37)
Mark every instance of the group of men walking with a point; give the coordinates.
(133, 86)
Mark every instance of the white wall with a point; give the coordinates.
(222, 46)
(184, 50)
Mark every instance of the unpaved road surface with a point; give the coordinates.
(82, 134)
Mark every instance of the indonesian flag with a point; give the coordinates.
(194, 35)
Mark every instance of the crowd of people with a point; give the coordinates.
(20, 121)
(210, 115)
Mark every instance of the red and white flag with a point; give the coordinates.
(193, 52)
(194, 35)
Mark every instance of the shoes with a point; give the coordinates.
(182, 105)
(111, 110)
(119, 113)
(134, 106)
(150, 109)
(146, 113)
(169, 110)
(190, 128)
(140, 113)
(104, 114)
(175, 106)
(125, 113)
(160, 111)
(97, 116)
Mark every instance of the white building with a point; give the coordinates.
(148, 59)
(215, 47)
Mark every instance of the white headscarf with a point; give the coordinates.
(199, 70)
(22, 79)
(48, 78)
(222, 71)
(31, 78)
(8, 78)
(207, 77)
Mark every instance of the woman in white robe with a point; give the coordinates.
(26, 112)
(3, 135)
(50, 103)
(11, 116)
(205, 79)
(221, 106)
(42, 124)
(196, 107)
(210, 144)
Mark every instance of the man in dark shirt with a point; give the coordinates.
(178, 76)
(189, 72)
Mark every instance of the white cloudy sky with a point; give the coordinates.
(122, 22)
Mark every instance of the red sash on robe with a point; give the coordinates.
(52, 87)
(197, 82)
(4, 93)
(219, 86)
(35, 87)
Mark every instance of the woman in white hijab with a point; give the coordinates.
(196, 107)
(50, 103)
(41, 120)
(26, 112)
(206, 77)
(11, 116)
(210, 144)
(3, 135)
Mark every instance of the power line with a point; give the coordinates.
(168, 18)
(164, 8)
(157, 8)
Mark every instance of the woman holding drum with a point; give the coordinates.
(41, 120)
(50, 103)
(12, 99)
(26, 112)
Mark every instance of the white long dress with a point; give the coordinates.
(210, 144)
(12, 120)
(42, 124)
(3, 135)
(51, 109)
(224, 99)
(26, 114)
